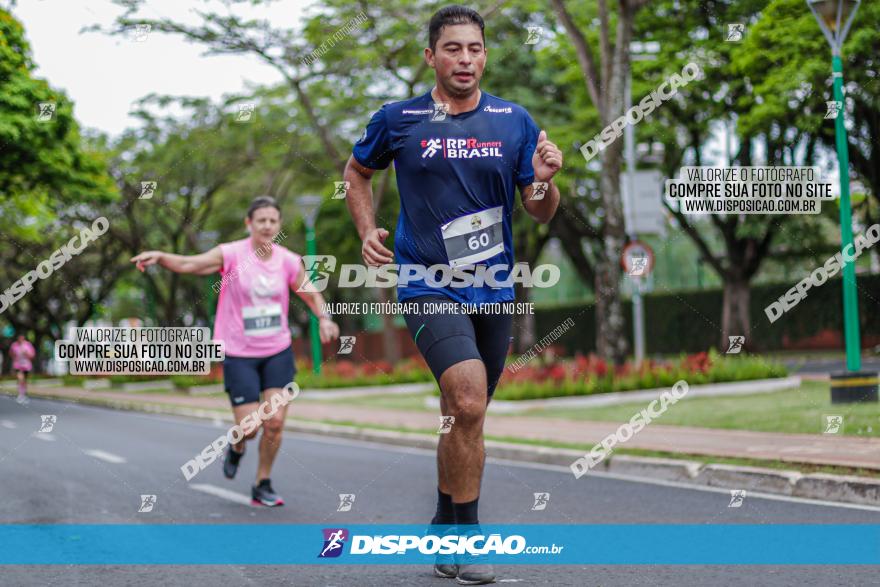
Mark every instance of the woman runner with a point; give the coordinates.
(257, 275)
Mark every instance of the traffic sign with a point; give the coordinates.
(637, 259)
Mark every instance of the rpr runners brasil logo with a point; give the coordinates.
(334, 542)
(453, 148)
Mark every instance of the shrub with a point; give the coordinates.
(589, 375)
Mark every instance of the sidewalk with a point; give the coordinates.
(846, 451)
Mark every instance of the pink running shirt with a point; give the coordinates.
(21, 354)
(252, 309)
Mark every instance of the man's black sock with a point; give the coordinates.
(234, 456)
(445, 514)
(466, 513)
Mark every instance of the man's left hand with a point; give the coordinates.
(547, 159)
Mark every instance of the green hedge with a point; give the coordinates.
(179, 381)
(307, 379)
(722, 369)
(691, 321)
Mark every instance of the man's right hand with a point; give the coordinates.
(373, 251)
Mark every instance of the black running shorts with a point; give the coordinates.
(246, 377)
(447, 338)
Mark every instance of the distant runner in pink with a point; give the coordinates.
(22, 353)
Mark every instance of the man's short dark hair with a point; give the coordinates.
(452, 15)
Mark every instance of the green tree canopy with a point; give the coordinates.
(44, 162)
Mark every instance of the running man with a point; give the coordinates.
(22, 353)
(459, 154)
(252, 322)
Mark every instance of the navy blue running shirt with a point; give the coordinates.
(457, 177)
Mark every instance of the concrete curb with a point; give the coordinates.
(749, 478)
(656, 468)
(839, 488)
(821, 486)
(499, 406)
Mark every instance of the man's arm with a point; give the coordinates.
(541, 210)
(359, 200)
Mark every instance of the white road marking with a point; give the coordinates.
(220, 492)
(47, 436)
(8, 424)
(105, 456)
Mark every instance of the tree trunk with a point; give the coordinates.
(735, 312)
(610, 338)
(610, 342)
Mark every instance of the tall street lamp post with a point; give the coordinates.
(830, 14)
(309, 206)
(835, 17)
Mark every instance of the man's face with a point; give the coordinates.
(458, 59)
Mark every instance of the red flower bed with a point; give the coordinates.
(584, 367)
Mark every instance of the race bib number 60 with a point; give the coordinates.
(473, 237)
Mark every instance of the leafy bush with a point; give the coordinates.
(120, 379)
(348, 374)
(591, 375)
(335, 374)
(31, 376)
(75, 379)
(187, 381)
(180, 381)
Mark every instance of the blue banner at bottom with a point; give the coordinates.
(277, 544)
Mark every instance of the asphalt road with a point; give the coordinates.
(96, 463)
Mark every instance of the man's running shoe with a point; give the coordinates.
(22, 399)
(475, 572)
(473, 569)
(444, 564)
(230, 463)
(262, 494)
(445, 569)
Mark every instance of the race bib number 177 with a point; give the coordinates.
(261, 320)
